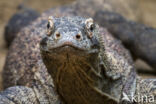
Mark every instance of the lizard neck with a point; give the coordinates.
(78, 82)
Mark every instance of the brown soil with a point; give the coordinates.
(147, 15)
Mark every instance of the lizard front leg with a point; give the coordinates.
(21, 95)
(18, 95)
(118, 66)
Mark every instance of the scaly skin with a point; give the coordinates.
(138, 38)
(18, 95)
(133, 35)
(32, 66)
(25, 15)
(92, 66)
(24, 64)
(83, 75)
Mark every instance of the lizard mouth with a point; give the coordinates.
(67, 46)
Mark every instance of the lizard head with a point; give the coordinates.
(70, 38)
(71, 35)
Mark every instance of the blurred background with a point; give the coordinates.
(142, 11)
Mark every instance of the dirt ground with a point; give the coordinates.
(147, 15)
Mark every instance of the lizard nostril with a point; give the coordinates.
(58, 35)
(78, 36)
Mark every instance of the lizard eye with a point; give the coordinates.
(50, 26)
(90, 26)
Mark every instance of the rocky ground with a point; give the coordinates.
(146, 15)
